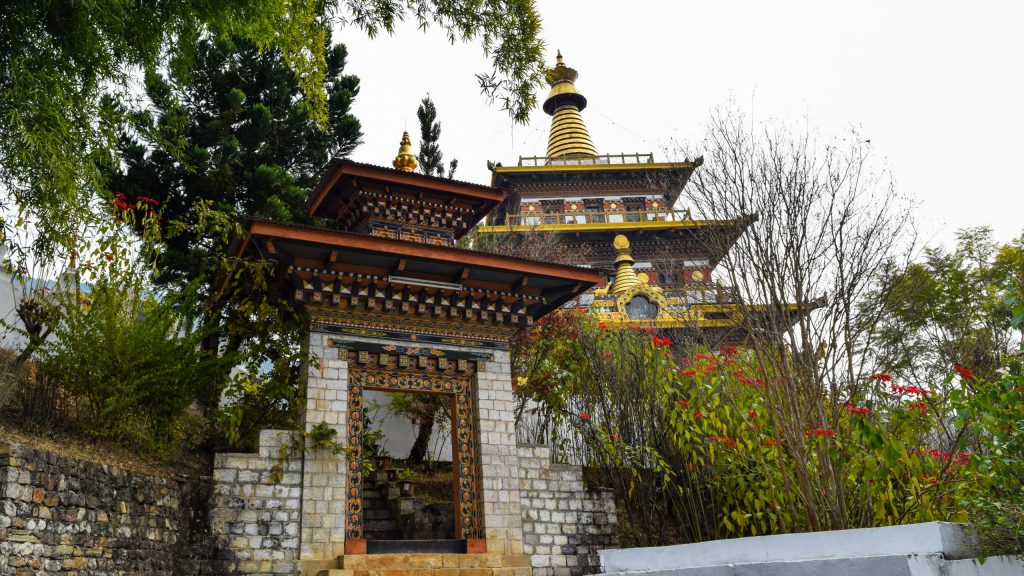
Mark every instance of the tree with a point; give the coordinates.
(826, 224)
(949, 309)
(64, 67)
(238, 140)
(430, 157)
(241, 135)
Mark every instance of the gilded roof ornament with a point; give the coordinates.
(406, 160)
(569, 137)
(625, 276)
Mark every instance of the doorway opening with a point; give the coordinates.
(407, 491)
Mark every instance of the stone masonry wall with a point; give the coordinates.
(499, 459)
(564, 525)
(60, 515)
(255, 520)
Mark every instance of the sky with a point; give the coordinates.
(936, 87)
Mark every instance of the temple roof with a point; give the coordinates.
(309, 251)
(348, 187)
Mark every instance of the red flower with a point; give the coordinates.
(964, 372)
(688, 373)
(698, 415)
(608, 355)
(108, 256)
(584, 416)
(683, 403)
(728, 350)
(856, 410)
(148, 200)
(752, 413)
(881, 377)
(616, 437)
(603, 326)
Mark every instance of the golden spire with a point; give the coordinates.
(569, 137)
(406, 160)
(625, 277)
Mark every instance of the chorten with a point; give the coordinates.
(569, 137)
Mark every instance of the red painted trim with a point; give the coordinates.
(355, 546)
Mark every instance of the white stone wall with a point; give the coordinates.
(499, 457)
(255, 520)
(324, 473)
(564, 524)
(400, 433)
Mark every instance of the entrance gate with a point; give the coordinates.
(419, 371)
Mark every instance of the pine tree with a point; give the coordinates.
(240, 135)
(430, 158)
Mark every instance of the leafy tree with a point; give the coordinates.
(65, 65)
(240, 135)
(949, 309)
(430, 157)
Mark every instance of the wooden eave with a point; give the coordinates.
(304, 246)
(342, 177)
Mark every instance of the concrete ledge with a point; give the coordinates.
(943, 539)
(913, 565)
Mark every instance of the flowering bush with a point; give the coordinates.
(707, 445)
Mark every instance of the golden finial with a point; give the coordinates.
(625, 276)
(406, 160)
(569, 137)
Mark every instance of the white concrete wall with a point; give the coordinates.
(10, 297)
(929, 549)
(400, 433)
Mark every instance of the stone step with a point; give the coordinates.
(424, 562)
(375, 513)
(455, 571)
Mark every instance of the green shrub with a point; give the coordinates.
(135, 368)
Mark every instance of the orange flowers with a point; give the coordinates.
(881, 377)
(661, 341)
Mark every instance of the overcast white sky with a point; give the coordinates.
(937, 87)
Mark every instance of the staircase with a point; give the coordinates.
(389, 517)
(378, 521)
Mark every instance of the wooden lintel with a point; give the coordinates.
(401, 265)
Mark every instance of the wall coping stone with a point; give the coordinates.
(950, 540)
